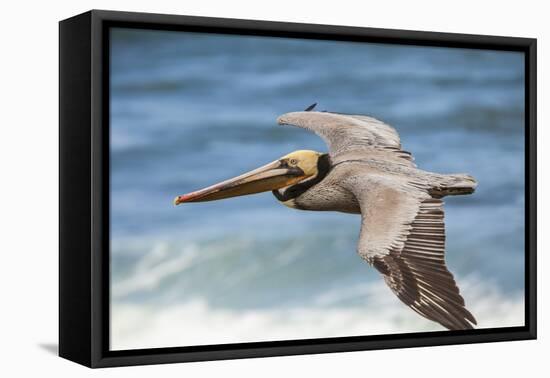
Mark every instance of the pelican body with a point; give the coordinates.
(366, 172)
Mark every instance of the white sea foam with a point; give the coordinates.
(151, 309)
(196, 323)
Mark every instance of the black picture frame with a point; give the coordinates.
(84, 188)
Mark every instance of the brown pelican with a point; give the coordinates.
(366, 172)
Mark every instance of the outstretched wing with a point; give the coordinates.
(403, 237)
(344, 133)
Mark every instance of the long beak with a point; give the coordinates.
(272, 176)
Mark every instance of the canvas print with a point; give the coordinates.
(267, 188)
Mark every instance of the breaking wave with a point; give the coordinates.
(195, 322)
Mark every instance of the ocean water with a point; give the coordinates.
(189, 110)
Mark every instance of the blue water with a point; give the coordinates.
(189, 110)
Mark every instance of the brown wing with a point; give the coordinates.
(345, 133)
(403, 237)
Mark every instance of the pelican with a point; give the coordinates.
(366, 172)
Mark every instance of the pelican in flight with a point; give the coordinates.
(366, 172)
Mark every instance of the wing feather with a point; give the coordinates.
(403, 237)
(344, 133)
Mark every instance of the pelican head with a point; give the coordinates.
(281, 174)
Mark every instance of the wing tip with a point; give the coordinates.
(291, 118)
(311, 107)
(281, 120)
(284, 119)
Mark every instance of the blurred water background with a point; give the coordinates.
(189, 110)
